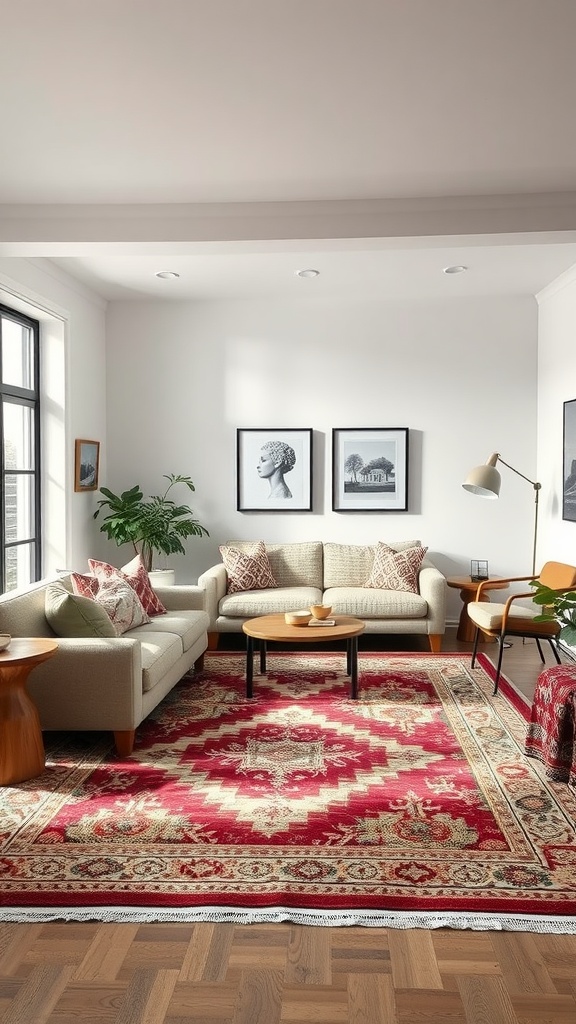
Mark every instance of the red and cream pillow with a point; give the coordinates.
(247, 569)
(135, 574)
(115, 595)
(396, 570)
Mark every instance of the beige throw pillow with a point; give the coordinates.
(248, 569)
(396, 570)
(72, 616)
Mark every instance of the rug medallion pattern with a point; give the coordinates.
(416, 795)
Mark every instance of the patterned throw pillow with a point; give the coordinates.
(396, 570)
(121, 602)
(135, 574)
(84, 586)
(248, 569)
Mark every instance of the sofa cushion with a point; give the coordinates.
(251, 603)
(365, 603)
(159, 652)
(396, 570)
(350, 565)
(135, 574)
(247, 568)
(188, 625)
(70, 615)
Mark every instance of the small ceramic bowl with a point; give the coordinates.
(5, 639)
(298, 618)
(321, 611)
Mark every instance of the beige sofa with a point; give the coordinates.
(112, 683)
(335, 574)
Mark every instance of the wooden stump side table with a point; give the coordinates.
(468, 588)
(21, 745)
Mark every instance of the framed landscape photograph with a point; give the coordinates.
(273, 470)
(370, 469)
(569, 462)
(86, 460)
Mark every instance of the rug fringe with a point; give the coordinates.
(300, 916)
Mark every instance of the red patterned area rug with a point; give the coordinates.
(413, 806)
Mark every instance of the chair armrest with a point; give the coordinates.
(213, 582)
(503, 579)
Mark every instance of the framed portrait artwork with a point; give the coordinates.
(370, 469)
(569, 462)
(273, 470)
(86, 464)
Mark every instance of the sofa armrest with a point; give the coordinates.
(432, 586)
(182, 597)
(213, 582)
(90, 683)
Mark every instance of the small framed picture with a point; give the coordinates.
(370, 469)
(273, 470)
(569, 462)
(86, 465)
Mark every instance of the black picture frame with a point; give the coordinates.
(283, 481)
(368, 486)
(569, 462)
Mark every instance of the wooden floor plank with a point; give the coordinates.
(413, 959)
(106, 953)
(485, 1000)
(309, 961)
(259, 998)
(371, 1000)
(38, 995)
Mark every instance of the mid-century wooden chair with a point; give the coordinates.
(511, 619)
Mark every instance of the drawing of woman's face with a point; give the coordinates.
(266, 465)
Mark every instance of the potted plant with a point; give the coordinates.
(557, 606)
(155, 525)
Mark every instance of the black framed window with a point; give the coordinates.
(20, 523)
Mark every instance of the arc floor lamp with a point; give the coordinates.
(485, 480)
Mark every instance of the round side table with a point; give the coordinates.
(21, 746)
(468, 588)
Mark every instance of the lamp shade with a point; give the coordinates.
(483, 480)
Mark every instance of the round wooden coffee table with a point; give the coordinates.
(21, 745)
(275, 627)
(468, 588)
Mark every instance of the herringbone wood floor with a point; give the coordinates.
(93, 973)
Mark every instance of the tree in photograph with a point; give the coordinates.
(353, 465)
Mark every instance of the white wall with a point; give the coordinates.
(557, 384)
(461, 375)
(73, 397)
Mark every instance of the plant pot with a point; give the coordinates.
(162, 577)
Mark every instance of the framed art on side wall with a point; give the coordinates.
(86, 462)
(273, 470)
(569, 462)
(370, 469)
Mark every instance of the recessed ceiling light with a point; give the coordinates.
(455, 270)
(167, 274)
(307, 273)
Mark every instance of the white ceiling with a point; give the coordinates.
(119, 102)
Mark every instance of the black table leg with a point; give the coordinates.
(262, 656)
(249, 664)
(348, 657)
(354, 667)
